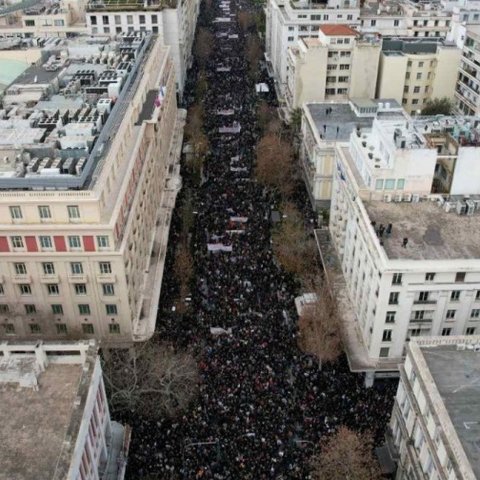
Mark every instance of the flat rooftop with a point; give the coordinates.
(34, 423)
(457, 378)
(336, 121)
(433, 233)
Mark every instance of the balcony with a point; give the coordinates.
(425, 302)
(106, 278)
(49, 278)
(21, 278)
(78, 278)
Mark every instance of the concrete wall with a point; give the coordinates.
(364, 70)
(446, 73)
(467, 172)
(391, 76)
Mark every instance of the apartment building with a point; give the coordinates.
(326, 125)
(338, 64)
(416, 71)
(55, 418)
(174, 22)
(467, 92)
(464, 13)
(43, 19)
(287, 22)
(403, 262)
(90, 142)
(434, 427)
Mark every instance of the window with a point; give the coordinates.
(76, 268)
(108, 289)
(344, 67)
(419, 76)
(470, 331)
(15, 212)
(455, 296)
(379, 184)
(155, 20)
(57, 309)
(35, 328)
(29, 23)
(415, 101)
(48, 268)
(80, 288)
(475, 313)
(400, 184)
(102, 241)
(52, 289)
(105, 267)
(407, 75)
(106, 29)
(30, 309)
(25, 289)
(415, 332)
(84, 309)
(446, 332)
(114, 328)
(423, 296)
(477, 296)
(343, 79)
(416, 89)
(45, 242)
(73, 212)
(44, 212)
(460, 277)
(93, 20)
(429, 277)
(384, 352)
(155, 29)
(61, 328)
(4, 308)
(331, 67)
(387, 336)
(393, 298)
(20, 268)
(397, 279)
(331, 79)
(290, 39)
(396, 23)
(142, 19)
(74, 241)
(2, 291)
(451, 314)
(17, 242)
(390, 184)
(111, 309)
(418, 314)
(405, 89)
(118, 20)
(88, 329)
(373, 23)
(390, 317)
(105, 19)
(8, 329)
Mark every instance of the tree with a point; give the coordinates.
(245, 19)
(274, 166)
(438, 106)
(150, 379)
(203, 46)
(201, 86)
(267, 118)
(292, 246)
(346, 455)
(296, 121)
(319, 324)
(183, 271)
(253, 54)
(197, 139)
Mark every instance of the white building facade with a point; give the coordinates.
(431, 430)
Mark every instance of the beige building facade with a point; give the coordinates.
(413, 72)
(339, 64)
(434, 425)
(83, 240)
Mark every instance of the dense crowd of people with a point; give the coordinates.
(264, 405)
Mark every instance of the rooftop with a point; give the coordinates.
(338, 30)
(58, 116)
(129, 5)
(432, 233)
(336, 121)
(403, 46)
(456, 374)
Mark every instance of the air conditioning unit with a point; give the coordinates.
(461, 208)
(407, 197)
(461, 346)
(470, 207)
(398, 197)
(415, 198)
(387, 198)
(449, 206)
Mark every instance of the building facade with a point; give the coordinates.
(413, 72)
(434, 422)
(338, 64)
(55, 416)
(402, 267)
(467, 91)
(86, 213)
(175, 24)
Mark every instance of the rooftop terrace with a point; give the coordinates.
(432, 233)
(456, 374)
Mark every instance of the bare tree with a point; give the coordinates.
(267, 118)
(183, 271)
(292, 246)
(197, 139)
(274, 167)
(150, 379)
(346, 455)
(246, 20)
(253, 54)
(319, 325)
(203, 46)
